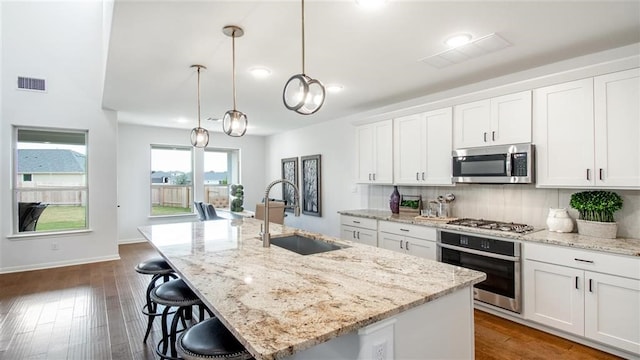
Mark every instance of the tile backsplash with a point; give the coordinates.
(515, 203)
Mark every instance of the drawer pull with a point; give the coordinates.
(584, 261)
(356, 222)
(401, 229)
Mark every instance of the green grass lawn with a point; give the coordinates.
(62, 218)
(169, 210)
(74, 217)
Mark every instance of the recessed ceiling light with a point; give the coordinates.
(260, 72)
(458, 40)
(371, 4)
(334, 88)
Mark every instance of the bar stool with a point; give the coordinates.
(210, 339)
(175, 293)
(159, 268)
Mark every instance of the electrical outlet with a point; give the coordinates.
(54, 246)
(380, 351)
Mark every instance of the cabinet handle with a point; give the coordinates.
(369, 176)
(485, 137)
(582, 260)
(576, 282)
(417, 176)
(404, 229)
(493, 136)
(588, 174)
(401, 244)
(423, 175)
(406, 246)
(354, 234)
(590, 285)
(374, 176)
(356, 221)
(601, 174)
(358, 235)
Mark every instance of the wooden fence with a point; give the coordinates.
(171, 195)
(53, 197)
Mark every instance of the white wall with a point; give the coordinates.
(134, 169)
(62, 43)
(335, 140)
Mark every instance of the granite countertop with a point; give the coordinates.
(620, 246)
(277, 302)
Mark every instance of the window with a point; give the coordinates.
(221, 169)
(171, 180)
(50, 180)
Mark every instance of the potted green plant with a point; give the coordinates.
(596, 210)
(237, 192)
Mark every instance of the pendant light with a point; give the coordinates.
(234, 122)
(303, 94)
(199, 135)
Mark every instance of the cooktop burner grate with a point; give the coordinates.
(493, 225)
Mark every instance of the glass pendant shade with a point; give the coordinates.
(234, 123)
(199, 137)
(302, 93)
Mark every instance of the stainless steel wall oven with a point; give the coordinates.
(499, 259)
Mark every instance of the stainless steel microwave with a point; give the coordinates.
(499, 164)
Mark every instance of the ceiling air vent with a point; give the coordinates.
(31, 84)
(475, 48)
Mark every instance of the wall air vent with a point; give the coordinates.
(481, 46)
(31, 84)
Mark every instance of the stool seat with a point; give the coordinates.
(210, 339)
(155, 266)
(175, 293)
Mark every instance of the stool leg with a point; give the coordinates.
(174, 329)
(151, 306)
(165, 332)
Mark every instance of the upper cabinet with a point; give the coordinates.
(587, 132)
(422, 148)
(374, 144)
(496, 121)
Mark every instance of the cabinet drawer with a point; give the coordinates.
(371, 224)
(416, 231)
(584, 259)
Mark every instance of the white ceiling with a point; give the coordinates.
(374, 53)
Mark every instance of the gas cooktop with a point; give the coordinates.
(493, 225)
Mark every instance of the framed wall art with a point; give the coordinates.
(311, 180)
(289, 172)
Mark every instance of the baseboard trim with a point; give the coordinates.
(59, 264)
(131, 241)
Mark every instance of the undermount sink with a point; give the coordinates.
(304, 245)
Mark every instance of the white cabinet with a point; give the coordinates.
(496, 121)
(357, 229)
(422, 148)
(374, 144)
(587, 132)
(406, 238)
(584, 293)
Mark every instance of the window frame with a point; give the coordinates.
(15, 189)
(192, 182)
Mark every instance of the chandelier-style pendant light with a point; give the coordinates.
(199, 135)
(234, 122)
(303, 94)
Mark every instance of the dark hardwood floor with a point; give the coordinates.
(92, 311)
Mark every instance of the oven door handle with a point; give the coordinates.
(480, 253)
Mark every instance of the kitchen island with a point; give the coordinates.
(344, 304)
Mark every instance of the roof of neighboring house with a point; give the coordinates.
(34, 161)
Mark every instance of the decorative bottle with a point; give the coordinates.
(394, 201)
(559, 221)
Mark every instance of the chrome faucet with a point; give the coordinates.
(266, 237)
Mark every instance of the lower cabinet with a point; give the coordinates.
(410, 239)
(569, 290)
(358, 229)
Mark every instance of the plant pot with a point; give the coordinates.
(605, 230)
